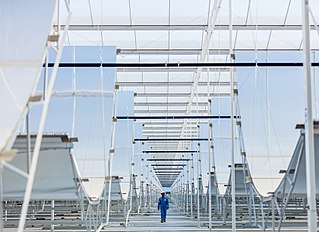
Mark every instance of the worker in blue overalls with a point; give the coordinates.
(163, 204)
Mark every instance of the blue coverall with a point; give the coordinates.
(163, 204)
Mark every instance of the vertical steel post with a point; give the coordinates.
(28, 139)
(209, 101)
(192, 184)
(187, 187)
(232, 118)
(131, 182)
(209, 175)
(233, 192)
(309, 130)
(198, 183)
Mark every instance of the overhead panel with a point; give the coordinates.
(195, 13)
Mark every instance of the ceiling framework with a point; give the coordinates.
(180, 31)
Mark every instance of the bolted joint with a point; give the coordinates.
(116, 87)
(114, 119)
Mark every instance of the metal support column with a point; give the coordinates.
(198, 183)
(110, 162)
(209, 153)
(187, 187)
(209, 176)
(309, 130)
(131, 183)
(192, 186)
(29, 157)
(232, 119)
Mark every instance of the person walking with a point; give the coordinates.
(163, 204)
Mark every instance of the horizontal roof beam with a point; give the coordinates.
(171, 139)
(175, 122)
(165, 112)
(167, 165)
(94, 93)
(169, 94)
(175, 128)
(173, 69)
(168, 51)
(182, 65)
(82, 93)
(176, 117)
(183, 27)
(190, 51)
(168, 151)
(168, 103)
(168, 159)
(162, 132)
(168, 172)
(169, 83)
(172, 127)
(190, 132)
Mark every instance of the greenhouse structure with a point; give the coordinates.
(149, 115)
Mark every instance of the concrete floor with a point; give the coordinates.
(150, 222)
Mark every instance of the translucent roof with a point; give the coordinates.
(182, 23)
(153, 31)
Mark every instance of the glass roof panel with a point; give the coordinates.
(83, 38)
(189, 12)
(156, 13)
(152, 39)
(285, 39)
(115, 12)
(186, 39)
(122, 39)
